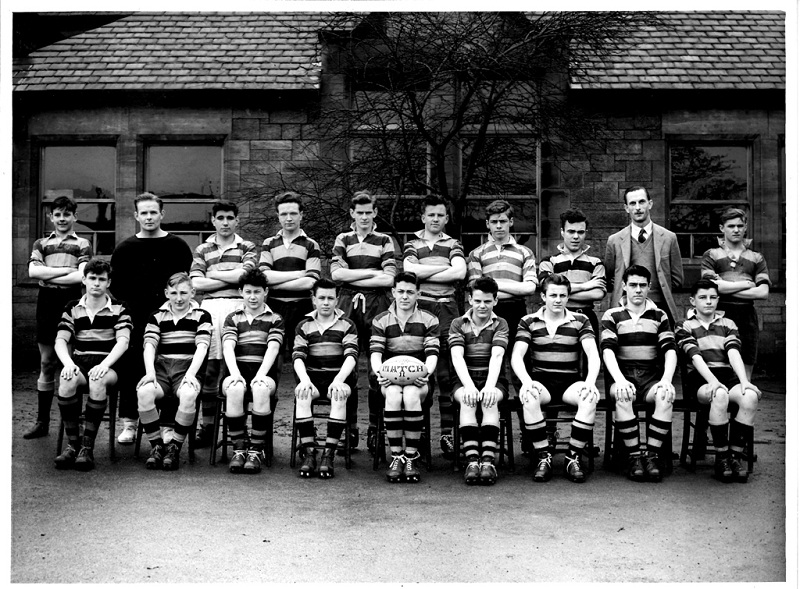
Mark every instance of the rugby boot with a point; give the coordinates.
(396, 472)
(85, 460)
(574, 468)
(239, 457)
(636, 468)
(740, 474)
(651, 467)
(66, 459)
(412, 470)
(488, 473)
(472, 476)
(326, 464)
(722, 469)
(544, 469)
(255, 457)
(309, 466)
(37, 430)
(156, 459)
(172, 457)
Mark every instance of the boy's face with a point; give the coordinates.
(555, 298)
(289, 216)
(705, 302)
(499, 226)
(225, 223)
(364, 215)
(325, 301)
(63, 220)
(149, 216)
(96, 284)
(179, 295)
(734, 230)
(253, 296)
(574, 234)
(405, 294)
(636, 289)
(482, 303)
(435, 218)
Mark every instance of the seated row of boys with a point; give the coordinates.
(638, 347)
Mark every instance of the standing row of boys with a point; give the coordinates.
(238, 330)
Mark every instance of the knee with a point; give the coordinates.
(749, 401)
(233, 391)
(394, 397)
(146, 396)
(187, 396)
(97, 389)
(719, 400)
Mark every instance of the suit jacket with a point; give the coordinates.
(668, 264)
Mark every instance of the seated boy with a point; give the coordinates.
(176, 340)
(251, 341)
(99, 329)
(477, 343)
(325, 358)
(718, 376)
(556, 337)
(407, 330)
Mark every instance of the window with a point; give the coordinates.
(188, 177)
(86, 173)
(705, 178)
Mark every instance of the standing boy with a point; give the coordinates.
(217, 266)
(325, 357)
(98, 330)
(438, 261)
(57, 262)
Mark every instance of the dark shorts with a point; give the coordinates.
(746, 320)
(323, 381)
(170, 372)
(85, 362)
(556, 384)
(49, 308)
(502, 384)
(643, 379)
(249, 370)
(694, 381)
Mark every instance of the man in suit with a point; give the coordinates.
(645, 244)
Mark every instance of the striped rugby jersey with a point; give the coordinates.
(510, 261)
(70, 252)
(636, 344)
(210, 256)
(374, 252)
(578, 270)
(419, 338)
(717, 264)
(444, 250)
(178, 340)
(302, 253)
(96, 335)
(252, 338)
(713, 343)
(478, 347)
(559, 353)
(325, 352)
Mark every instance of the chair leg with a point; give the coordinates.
(457, 442)
(60, 442)
(510, 443)
(112, 424)
(212, 458)
(138, 441)
(293, 454)
(269, 450)
(380, 442)
(348, 458)
(608, 451)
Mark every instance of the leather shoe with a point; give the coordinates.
(37, 430)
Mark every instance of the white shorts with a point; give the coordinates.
(219, 309)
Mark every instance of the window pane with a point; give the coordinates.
(194, 216)
(189, 171)
(688, 218)
(708, 172)
(78, 171)
(506, 165)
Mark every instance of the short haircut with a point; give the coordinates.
(253, 277)
(703, 284)
(634, 189)
(498, 207)
(636, 270)
(178, 278)
(555, 280)
(573, 216)
(732, 213)
(145, 197)
(324, 283)
(224, 205)
(484, 284)
(97, 266)
(406, 277)
(433, 200)
(362, 197)
(288, 198)
(64, 202)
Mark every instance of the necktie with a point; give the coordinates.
(642, 237)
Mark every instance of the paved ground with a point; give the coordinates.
(121, 523)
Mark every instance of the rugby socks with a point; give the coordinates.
(489, 437)
(657, 432)
(152, 428)
(537, 433)
(393, 421)
(739, 433)
(70, 408)
(629, 432)
(719, 434)
(580, 436)
(237, 429)
(44, 392)
(258, 433)
(470, 441)
(183, 423)
(92, 418)
(335, 429)
(412, 424)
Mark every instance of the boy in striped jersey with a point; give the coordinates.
(404, 329)
(251, 343)
(217, 266)
(364, 264)
(556, 337)
(176, 340)
(322, 340)
(640, 356)
(99, 330)
(57, 262)
(717, 376)
(438, 261)
(477, 343)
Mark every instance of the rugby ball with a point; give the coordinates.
(403, 370)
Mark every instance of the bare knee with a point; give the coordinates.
(393, 395)
(146, 396)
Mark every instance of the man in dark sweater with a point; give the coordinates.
(141, 265)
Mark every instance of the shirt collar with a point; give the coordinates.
(237, 239)
(563, 250)
(468, 317)
(267, 311)
(648, 304)
(635, 229)
(300, 234)
(745, 242)
(393, 309)
(691, 314)
(442, 236)
(568, 315)
(511, 240)
(85, 298)
(193, 304)
(337, 313)
(67, 236)
(373, 230)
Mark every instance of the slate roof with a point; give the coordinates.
(699, 50)
(172, 51)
